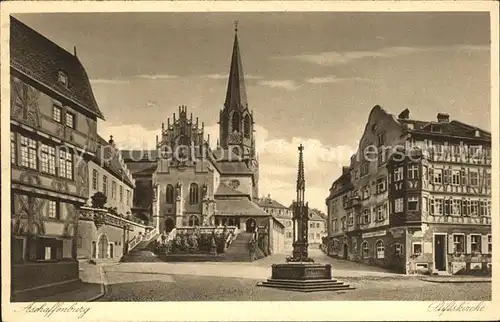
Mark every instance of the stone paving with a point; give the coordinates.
(238, 282)
(123, 287)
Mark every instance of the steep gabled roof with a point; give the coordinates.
(225, 190)
(234, 167)
(41, 59)
(238, 207)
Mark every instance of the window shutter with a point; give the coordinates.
(468, 246)
(484, 244)
(431, 175)
(450, 244)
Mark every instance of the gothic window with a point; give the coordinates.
(236, 122)
(170, 194)
(247, 126)
(193, 194)
(193, 221)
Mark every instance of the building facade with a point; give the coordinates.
(184, 182)
(419, 198)
(317, 229)
(53, 135)
(283, 214)
(104, 233)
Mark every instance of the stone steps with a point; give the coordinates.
(306, 285)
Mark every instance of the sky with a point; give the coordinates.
(311, 78)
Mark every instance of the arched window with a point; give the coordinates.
(364, 248)
(236, 121)
(247, 126)
(193, 221)
(194, 194)
(170, 194)
(379, 249)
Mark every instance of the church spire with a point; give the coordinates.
(236, 95)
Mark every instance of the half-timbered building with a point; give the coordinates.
(53, 134)
(416, 197)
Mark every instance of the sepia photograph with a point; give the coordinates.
(202, 156)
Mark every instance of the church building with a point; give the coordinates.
(187, 183)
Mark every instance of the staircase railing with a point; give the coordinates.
(134, 242)
(231, 237)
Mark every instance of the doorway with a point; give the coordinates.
(250, 225)
(439, 252)
(103, 246)
(169, 225)
(345, 251)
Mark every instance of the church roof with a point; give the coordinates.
(42, 60)
(233, 167)
(238, 207)
(225, 155)
(236, 92)
(139, 155)
(225, 190)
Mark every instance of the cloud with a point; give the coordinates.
(225, 76)
(337, 57)
(284, 84)
(334, 79)
(108, 81)
(152, 104)
(156, 76)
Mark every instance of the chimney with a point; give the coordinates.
(443, 118)
(405, 115)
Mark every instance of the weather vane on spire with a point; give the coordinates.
(236, 25)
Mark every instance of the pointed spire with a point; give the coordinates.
(74, 50)
(236, 92)
(301, 182)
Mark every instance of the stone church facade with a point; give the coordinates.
(185, 182)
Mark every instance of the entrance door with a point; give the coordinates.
(169, 224)
(344, 254)
(250, 225)
(103, 246)
(439, 252)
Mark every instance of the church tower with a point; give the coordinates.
(236, 124)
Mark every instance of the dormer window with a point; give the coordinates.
(62, 78)
(477, 133)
